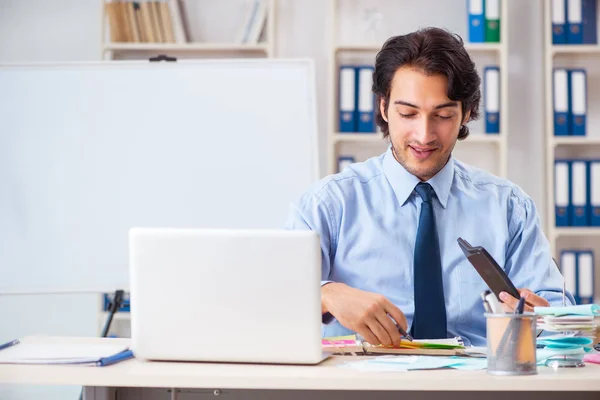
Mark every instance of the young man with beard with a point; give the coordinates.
(389, 226)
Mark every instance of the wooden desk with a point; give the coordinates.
(327, 376)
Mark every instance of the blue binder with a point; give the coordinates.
(343, 162)
(578, 98)
(559, 34)
(589, 23)
(125, 305)
(561, 95)
(365, 99)
(347, 98)
(568, 269)
(594, 192)
(562, 192)
(574, 22)
(585, 277)
(579, 192)
(476, 9)
(491, 90)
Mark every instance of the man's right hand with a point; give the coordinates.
(366, 313)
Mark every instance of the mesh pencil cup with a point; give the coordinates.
(511, 344)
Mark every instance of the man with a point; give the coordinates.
(389, 226)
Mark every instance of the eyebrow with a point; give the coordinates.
(443, 105)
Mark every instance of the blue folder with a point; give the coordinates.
(561, 101)
(574, 22)
(365, 103)
(585, 277)
(343, 162)
(593, 176)
(562, 192)
(559, 16)
(491, 90)
(589, 23)
(578, 101)
(579, 192)
(347, 98)
(476, 10)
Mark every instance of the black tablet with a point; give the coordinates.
(488, 269)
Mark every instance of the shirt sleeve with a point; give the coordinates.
(312, 213)
(529, 263)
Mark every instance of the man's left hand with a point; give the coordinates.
(509, 303)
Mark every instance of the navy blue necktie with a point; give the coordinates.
(429, 321)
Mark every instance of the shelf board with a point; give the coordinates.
(483, 47)
(368, 48)
(576, 49)
(207, 47)
(577, 231)
(482, 138)
(575, 140)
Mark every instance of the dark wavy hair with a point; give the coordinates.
(433, 51)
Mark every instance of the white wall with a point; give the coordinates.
(69, 30)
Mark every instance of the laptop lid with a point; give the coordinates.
(225, 295)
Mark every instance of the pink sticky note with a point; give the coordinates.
(592, 358)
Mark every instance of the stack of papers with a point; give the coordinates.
(585, 309)
(575, 325)
(567, 323)
(81, 354)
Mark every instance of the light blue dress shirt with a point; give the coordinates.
(367, 219)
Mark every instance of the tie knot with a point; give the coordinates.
(425, 191)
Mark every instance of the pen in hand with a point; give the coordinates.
(520, 306)
(404, 333)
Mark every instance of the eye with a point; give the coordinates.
(408, 116)
(445, 117)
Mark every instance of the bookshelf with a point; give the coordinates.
(265, 47)
(586, 56)
(487, 151)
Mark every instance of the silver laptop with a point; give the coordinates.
(226, 295)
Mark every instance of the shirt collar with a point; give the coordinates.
(403, 182)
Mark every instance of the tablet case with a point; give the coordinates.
(488, 269)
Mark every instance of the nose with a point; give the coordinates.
(425, 131)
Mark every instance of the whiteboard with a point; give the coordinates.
(90, 150)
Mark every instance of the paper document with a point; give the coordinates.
(38, 353)
(584, 309)
(411, 363)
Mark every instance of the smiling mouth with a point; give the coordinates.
(422, 153)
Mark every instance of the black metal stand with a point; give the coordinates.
(114, 306)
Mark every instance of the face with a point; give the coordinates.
(423, 122)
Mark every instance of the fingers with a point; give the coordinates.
(366, 333)
(380, 332)
(390, 327)
(395, 312)
(509, 301)
(533, 299)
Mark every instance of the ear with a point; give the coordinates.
(382, 109)
(466, 118)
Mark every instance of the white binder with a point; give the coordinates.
(585, 277)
